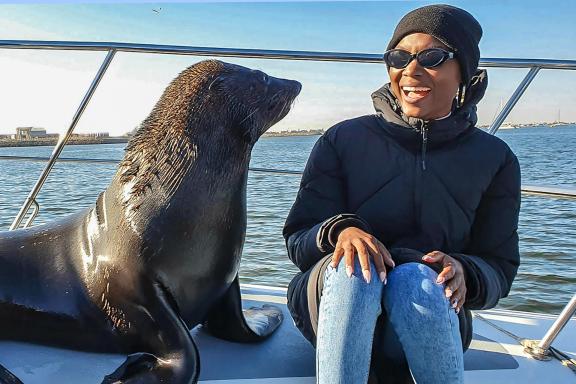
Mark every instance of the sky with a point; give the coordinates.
(44, 88)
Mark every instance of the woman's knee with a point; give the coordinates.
(355, 285)
(413, 276)
(413, 284)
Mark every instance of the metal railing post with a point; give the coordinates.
(60, 145)
(558, 325)
(542, 350)
(513, 100)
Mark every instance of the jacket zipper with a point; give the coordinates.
(419, 174)
(424, 133)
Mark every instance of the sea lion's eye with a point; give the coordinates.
(265, 78)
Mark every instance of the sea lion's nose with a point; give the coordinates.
(297, 86)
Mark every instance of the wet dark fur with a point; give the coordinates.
(159, 252)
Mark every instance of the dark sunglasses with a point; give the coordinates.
(428, 58)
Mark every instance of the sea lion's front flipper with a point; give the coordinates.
(169, 352)
(228, 321)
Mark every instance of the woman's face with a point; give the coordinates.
(439, 85)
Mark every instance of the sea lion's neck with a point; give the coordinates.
(209, 165)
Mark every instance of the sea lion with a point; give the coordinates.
(159, 252)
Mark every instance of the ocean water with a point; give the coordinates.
(547, 277)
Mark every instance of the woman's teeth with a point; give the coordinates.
(415, 93)
(415, 89)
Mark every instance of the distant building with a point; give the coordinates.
(29, 133)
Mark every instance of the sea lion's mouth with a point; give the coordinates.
(279, 106)
(284, 98)
(272, 106)
(276, 103)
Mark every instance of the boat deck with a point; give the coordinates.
(286, 357)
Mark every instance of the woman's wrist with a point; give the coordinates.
(341, 225)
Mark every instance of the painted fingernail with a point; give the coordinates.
(440, 280)
(366, 274)
(349, 271)
(383, 277)
(448, 293)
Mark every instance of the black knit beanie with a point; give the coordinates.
(454, 27)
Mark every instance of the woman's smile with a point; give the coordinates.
(414, 94)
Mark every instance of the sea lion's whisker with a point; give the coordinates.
(250, 115)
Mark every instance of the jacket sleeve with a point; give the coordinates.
(492, 257)
(319, 212)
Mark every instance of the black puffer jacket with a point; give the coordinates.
(439, 185)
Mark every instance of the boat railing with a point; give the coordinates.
(539, 349)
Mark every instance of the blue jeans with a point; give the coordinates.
(425, 327)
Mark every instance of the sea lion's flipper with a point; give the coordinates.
(137, 367)
(7, 377)
(170, 354)
(228, 321)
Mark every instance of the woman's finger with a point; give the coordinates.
(458, 298)
(379, 264)
(363, 258)
(370, 242)
(456, 291)
(378, 256)
(451, 287)
(453, 276)
(349, 259)
(433, 257)
(337, 256)
(446, 274)
(386, 255)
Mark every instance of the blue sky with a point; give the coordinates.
(44, 88)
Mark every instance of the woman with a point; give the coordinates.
(406, 219)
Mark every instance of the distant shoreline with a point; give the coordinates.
(310, 132)
(4, 143)
(51, 142)
(531, 125)
(40, 142)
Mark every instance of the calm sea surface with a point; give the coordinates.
(545, 282)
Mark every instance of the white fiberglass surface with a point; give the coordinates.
(286, 357)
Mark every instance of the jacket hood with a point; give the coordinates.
(408, 129)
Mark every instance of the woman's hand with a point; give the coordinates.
(452, 274)
(352, 241)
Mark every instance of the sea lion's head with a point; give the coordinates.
(256, 100)
(206, 121)
(213, 95)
